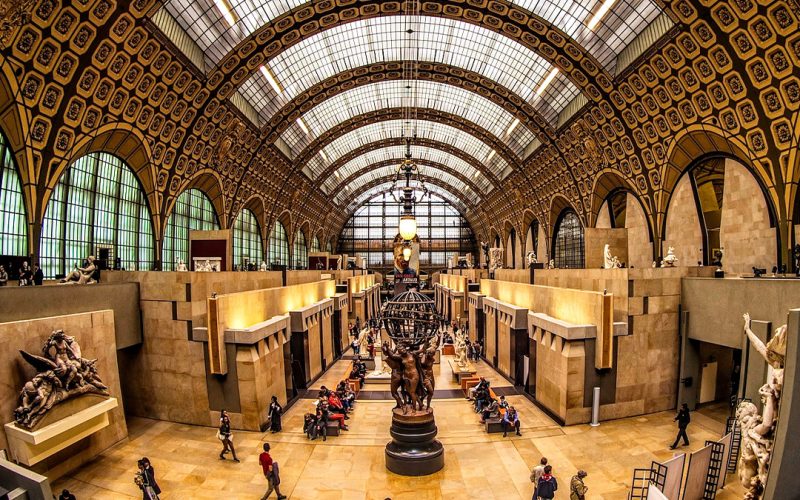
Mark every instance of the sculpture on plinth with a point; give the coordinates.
(181, 267)
(263, 266)
(758, 431)
(670, 260)
(81, 275)
(495, 259)
(485, 250)
(530, 259)
(460, 347)
(62, 373)
(609, 261)
(411, 323)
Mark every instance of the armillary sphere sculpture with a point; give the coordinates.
(412, 324)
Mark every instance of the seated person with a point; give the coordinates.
(502, 404)
(324, 415)
(490, 411)
(448, 339)
(511, 419)
(310, 426)
(482, 384)
(356, 373)
(482, 397)
(335, 405)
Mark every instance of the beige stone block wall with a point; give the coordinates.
(543, 251)
(640, 248)
(260, 371)
(560, 375)
(603, 219)
(326, 325)
(745, 234)
(503, 348)
(314, 343)
(683, 225)
(490, 349)
(473, 323)
(515, 275)
(299, 277)
(343, 324)
(94, 331)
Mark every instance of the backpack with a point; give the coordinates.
(546, 488)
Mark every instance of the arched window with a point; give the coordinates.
(247, 246)
(13, 227)
(568, 241)
(300, 251)
(279, 245)
(97, 208)
(329, 248)
(533, 240)
(315, 244)
(193, 211)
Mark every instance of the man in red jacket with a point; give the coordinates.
(267, 466)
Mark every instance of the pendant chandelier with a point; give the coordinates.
(408, 170)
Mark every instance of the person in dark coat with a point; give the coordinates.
(683, 420)
(275, 412)
(151, 475)
(547, 485)
(226, 436)
(38, 275)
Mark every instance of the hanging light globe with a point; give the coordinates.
(408, 227)
(407, 253)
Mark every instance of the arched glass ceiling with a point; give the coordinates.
(382, 39)
(392, 129)
(403, 93)
(432, 188)
(421, 154)
(389, 173)
(217, 26)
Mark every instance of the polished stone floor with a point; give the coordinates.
(351, 466)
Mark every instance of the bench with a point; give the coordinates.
(332, 428)
(354, 384)
(494, 425)
(448, 350)
(468, 382)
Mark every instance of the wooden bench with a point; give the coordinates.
(448, 350)
(468, 382)
(494, 425)
(332, 428)
(354, 384)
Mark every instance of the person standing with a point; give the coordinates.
(547, 485)
(151, 475)
(275, 412)
(577, 490)
(25, 275)
(38, 275)
(226, 436)
(142, 480)
(3, 276)
(536, 473)
(270, 473)
(66, 495)
(683, 420)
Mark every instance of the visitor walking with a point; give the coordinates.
(66, 495)
(270, 469)
(151, 475)
(683, 420)
(536, 473)
(577, 490)
(547, 485)
(225, 435)
(145, 480)
(275, 412)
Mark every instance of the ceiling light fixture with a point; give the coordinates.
(223, 8)
(271, 80)
(325, 157)
(302, 126)
(475, 175)
(491, 155)
(546, 82)
(512, 126)
(600, 13)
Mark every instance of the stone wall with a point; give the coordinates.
(596, 239)
(745, 234)
(560, 376)
(683, 225)
(640, 248)
(94, 331)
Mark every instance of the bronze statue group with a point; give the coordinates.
(412, 381)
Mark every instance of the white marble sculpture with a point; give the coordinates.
(609, 261)
(263, 266)
(81, 275)
(181, 266)
(203, 266)
(758, 431)
(551, 264)
(495, 259)
(670, 260)
(530, 259)
(460, 346)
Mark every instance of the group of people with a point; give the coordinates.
(358, 370)
(545, 483)
(490, 407)
(331, 406)
(366, 339)
(27, 276)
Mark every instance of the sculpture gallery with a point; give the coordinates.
(62, 373)
(758, 431)
(81, 275)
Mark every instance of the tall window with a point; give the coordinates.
(193, 211)
(97, 208)
(568, 243)
(279, 245)
(442, 231)
(13, 227)
(315, 244)
(300, 251)
(329, 247)
(247, 247)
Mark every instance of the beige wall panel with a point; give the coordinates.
(640, 248)
(683, 226)
(503, 348)
(314, 342)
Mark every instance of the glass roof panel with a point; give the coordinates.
(436, 40)
(393, 129)
(402, 93)
(432, 190)
(205, 21)
(389, 173)
(397, 153)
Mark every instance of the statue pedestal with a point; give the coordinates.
(459, 373)
(31, 447)
(414, 451)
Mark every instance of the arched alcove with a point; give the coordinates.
(192, 211)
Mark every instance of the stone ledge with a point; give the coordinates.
(570, 331)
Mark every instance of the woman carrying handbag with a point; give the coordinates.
(224, 434)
